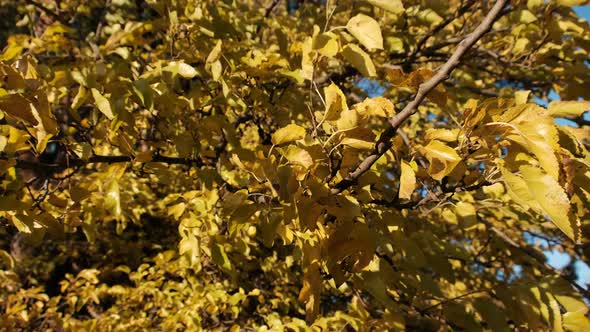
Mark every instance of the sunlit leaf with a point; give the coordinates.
(394, 6)
(568, 109)
(102, 103)
(288, 134)
(441, 157)
(407, 179)
(366, 30)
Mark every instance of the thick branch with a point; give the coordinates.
(384, 142)
(65, 164)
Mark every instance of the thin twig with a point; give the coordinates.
(541, 260)
(438, 28)
(47, 11)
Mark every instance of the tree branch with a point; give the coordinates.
(384, 142)
(61, 166)
(47, 11)
(462, 10)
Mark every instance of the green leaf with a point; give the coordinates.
(287, 134)
(103, 104)
(366, 30)
(359, 60)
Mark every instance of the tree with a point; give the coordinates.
(195, 165)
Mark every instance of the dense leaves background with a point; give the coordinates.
(194, 165)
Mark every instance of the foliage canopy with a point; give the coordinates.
(290, 165)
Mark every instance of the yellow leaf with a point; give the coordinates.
(521, 97)
(215, 53)
(552, 199)
(526, 16)
(407, 180)
(441, 134)
(112, 200)
(576, 321)
(441, 157)
(307, 58)
(378, 106)
(366, 30)
(572, 3)
(183, 69)
(568, 109)
(42, 143)
(80, 98)
(394, 6)
(335, 102)
(3, 142)
(11, 52)
(287, 134)
(429, 17)
(531, 127)
(357, 143)
(103, 104)
(326, 44)
(297, 155)
(219, 256)
(520, 46)
(348, 120)
(518, 190)
(42, 113)
(216, 69)
(359, 60)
